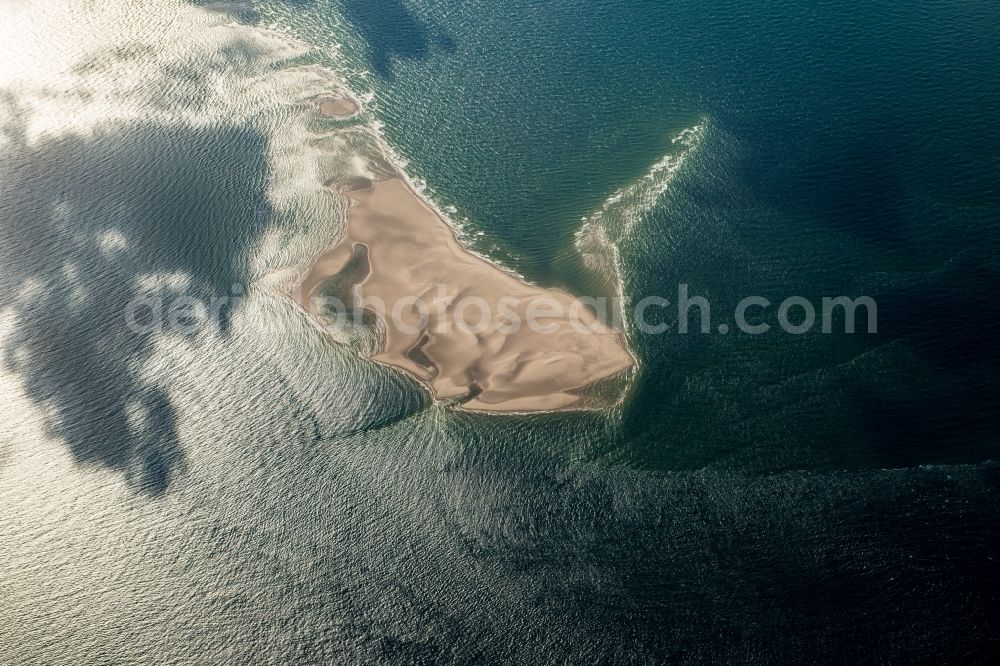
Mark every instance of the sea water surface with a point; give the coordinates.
(256, 491)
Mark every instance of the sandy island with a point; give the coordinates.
(339, 107)
(397, 249)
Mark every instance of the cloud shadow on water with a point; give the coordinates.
(80, 220)
(393, 32)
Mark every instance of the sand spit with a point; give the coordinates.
(398, 250)
(339, 107)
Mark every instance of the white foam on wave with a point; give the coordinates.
(463, 228)
(362, 147)
(601, 233)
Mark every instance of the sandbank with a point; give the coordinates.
(398, 250)
(339, 107)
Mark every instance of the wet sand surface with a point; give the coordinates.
(339, 107)
(398, 250)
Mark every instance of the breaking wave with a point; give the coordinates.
(599, 238)
(618, 216)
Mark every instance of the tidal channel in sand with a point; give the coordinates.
(398, 251)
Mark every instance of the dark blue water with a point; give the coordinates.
(757, 499)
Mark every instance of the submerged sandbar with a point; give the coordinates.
(397, 250)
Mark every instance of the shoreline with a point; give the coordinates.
(398, 249)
